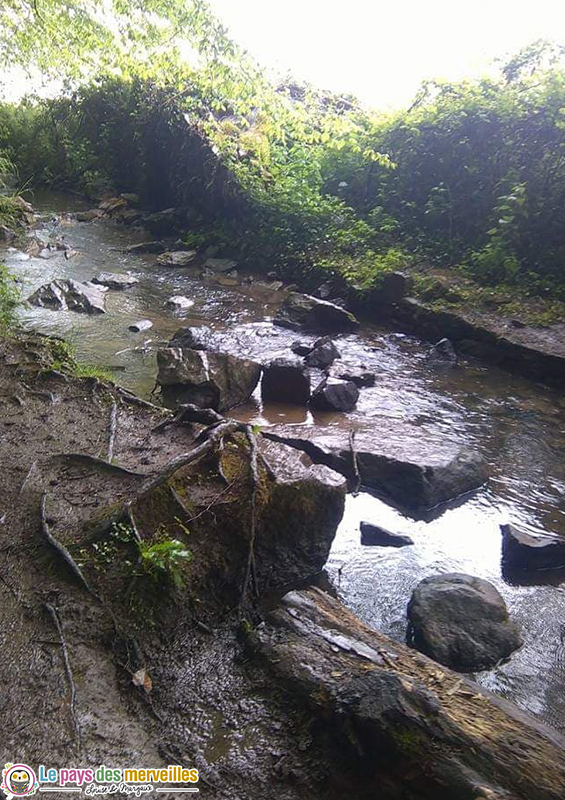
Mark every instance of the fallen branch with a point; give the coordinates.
(130, 398)
(355, 484)
(112, 434)
(60, 549)
(188, 413)
(69, 673)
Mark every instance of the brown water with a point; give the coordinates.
(518, 426)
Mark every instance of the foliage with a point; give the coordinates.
(9, 297)
(165, 558)
(160, 102)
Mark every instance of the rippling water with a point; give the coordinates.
(519, 427)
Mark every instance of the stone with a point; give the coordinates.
(301, 349)
(179, 302)
(112, 204)
(147, 247)
(526, 551)
(131, 198)
(393, 287)
(176, 258)
(335, 395)
(359, 375)
(165, 222)
(324, 291)
(285, 380)
(194, 338)
(6, 234)
(443, 351)
(114, 280)
(142, 325)
(89, 216)
(68, 294)
(310, 313)
(373, 535)
(323, 354)
(462, 622)
(220, 264)
(210, 380)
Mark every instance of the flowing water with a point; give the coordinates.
(519, 427)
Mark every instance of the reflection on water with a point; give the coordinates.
(517, 425)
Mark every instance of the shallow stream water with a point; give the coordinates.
(519, 426)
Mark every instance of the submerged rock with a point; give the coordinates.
(209, 380)
(462, 622)
(301, 348)
(443, 352)
(372, 535)
(63, 294)
(525, 551)
(335, 395)
(285, 380)
(115, 281)
(142, 325)
(178, 302)
(176, 258)
(323, 354)
(303, 311)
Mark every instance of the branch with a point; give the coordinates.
(69, 673)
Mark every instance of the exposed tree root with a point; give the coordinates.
(250, 574)
(355, 483)
(27, 477)
(137, 401)
(94, 461)
(112, 433)
(68, 671)
(60, 549)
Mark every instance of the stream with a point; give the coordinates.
(517, 425)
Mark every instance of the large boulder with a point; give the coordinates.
(176, 258)
(393, 287)
(462, 622)
(525, 551)
(115, 281)
(210, 380)
(310, 313)
(285, 380)
(165, 222)
(67, 294)
(335, 395)
(198, 337)
(373, 535)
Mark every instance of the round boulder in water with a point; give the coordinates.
(285, 380)
(461, 621)
(335, 395)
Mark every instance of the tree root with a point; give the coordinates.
(99, 462)
(112, 434)
(137, 401)
(27, 477)
(68, 671)
(355, 484)
(60, 549)
(250, 573)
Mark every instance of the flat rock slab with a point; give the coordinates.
(67, 294)
(396, 713)
(114, 280)
(374, 536)
(462, 622)
(524, 551)
(395, 459)
(307, 312)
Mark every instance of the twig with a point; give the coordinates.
(132, 523)
(112, 436)
(356, 483)
(137, 401)
(27, 477)
(59, 548)
(18, 400)
(99, 462)
(179, 500)
(57, 622)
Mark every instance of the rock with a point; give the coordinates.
(112, 204)
(163, 223)
(324, 291)
(359, 375)
(285, 380)
(130, 198)
(177, 258)
(147, 247)
(323, 354)
(525, 551)
(396, 460)
(444, 352)
(403, 724)
(6, 234)
(462, 622)
(89, 216)
(393, 287)
(310, 313)
(301, 349)
(220, 264)
(210, 380)
(335, 395)
(63, 294)
(194, 338)
(178, 302)
(142, 325)
(372, 535)
(114, 280)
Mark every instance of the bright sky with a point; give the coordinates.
(381, 51)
